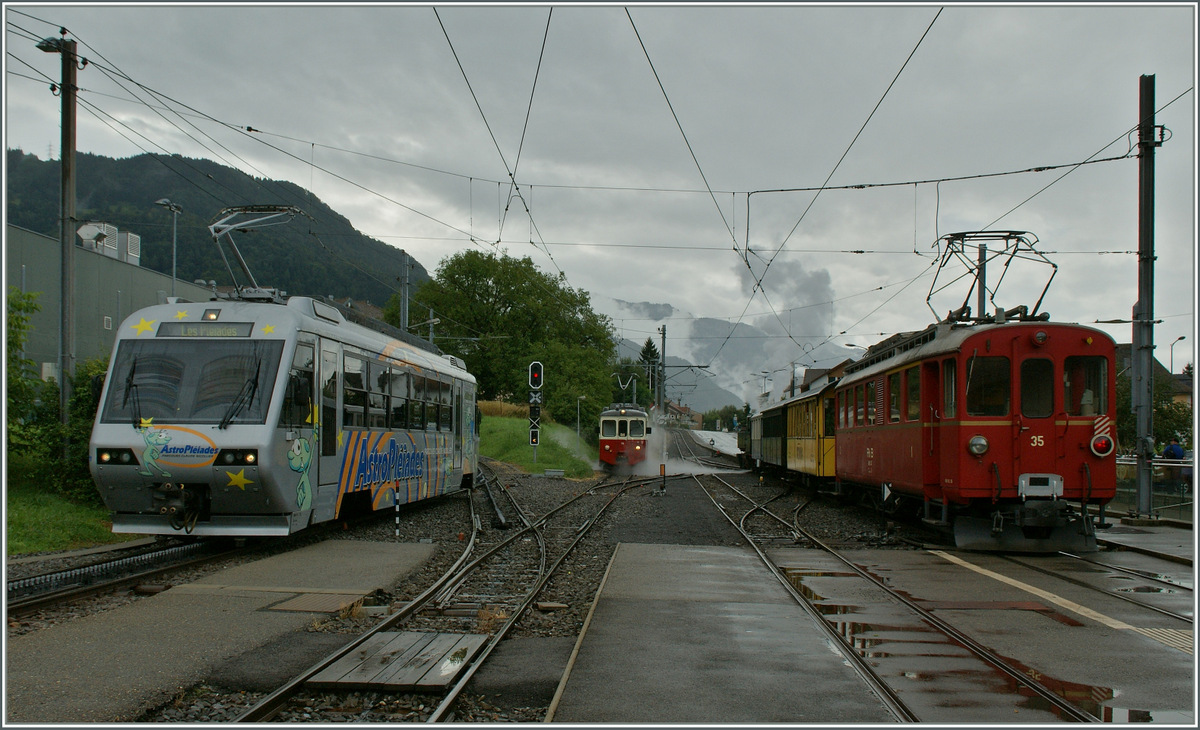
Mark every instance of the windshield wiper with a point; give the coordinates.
(131, 389)
(244, 397)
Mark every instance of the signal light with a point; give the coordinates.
(533, 436)
(535, 375)
(1102, 445)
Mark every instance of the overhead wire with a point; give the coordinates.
(679, 125)
(496, 143)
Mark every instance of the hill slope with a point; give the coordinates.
(326, 256)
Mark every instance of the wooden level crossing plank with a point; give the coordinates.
(445, 671)
(377, 651)
(404, 660)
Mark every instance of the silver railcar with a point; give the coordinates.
(243, 418)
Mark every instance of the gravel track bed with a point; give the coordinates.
(637, 516)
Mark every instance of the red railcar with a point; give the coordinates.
(623, 432)
(1005, 429)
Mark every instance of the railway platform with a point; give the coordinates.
(701, 634)
(247, 619)
(1152, 537)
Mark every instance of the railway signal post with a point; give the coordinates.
(535, 405)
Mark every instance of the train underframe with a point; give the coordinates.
(1028, 526)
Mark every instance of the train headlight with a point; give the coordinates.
(114, 456)
(1040, 337)
(978, 445)
(236, 457)
(1102, 445)
(637, 447)
(608, 447)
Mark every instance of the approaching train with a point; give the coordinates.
(623, 432)
(257, 418)
(1002, 429)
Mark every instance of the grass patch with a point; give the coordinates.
(507, 440)
(38, 520)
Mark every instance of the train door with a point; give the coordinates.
(456, 430)
(1035, 452)
(930, 417)
(329, 465)
(298, 426)
(947, 425)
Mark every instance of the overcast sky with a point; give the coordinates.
(637, 134)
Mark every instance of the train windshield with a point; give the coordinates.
(192, 381)
(637, 429)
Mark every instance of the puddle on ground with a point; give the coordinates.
(1146, 589)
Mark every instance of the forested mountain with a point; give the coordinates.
(337, 260)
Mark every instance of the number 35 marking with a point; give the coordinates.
(1037, 441)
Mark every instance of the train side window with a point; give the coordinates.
(354, 394)
(894, 398)
(1085, 385)
(297, 404)
(829, 420)
(398, 388)
(329, 413)
(989, 386)
(871, 403)
(912, 378)
(858, 406)
(841, 413)
(1037, 388)
(416, 405)
(949, 389)
(446, 414)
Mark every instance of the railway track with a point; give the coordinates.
(1064, 576)
(750, 517)
(45, 590)
(493, 584)
(685, 447)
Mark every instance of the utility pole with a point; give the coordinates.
(404, 293)
(1142, 377)
(662, 409)
(67, 90)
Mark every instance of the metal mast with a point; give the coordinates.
(1142, 377)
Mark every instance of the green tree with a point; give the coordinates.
(32, 403)
(499, 313)
(722, 417)
(649, 352)
(34, 428)
(1171, 419)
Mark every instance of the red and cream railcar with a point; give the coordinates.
(623, 432)
(1005, 429)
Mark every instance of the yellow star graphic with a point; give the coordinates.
(180, 314)
(146, 422)
(238, 480)
(339, 439)
(268, 329)
(143, 326)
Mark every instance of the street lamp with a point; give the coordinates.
(175, 209)
(1177, 339)
(578, 400)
